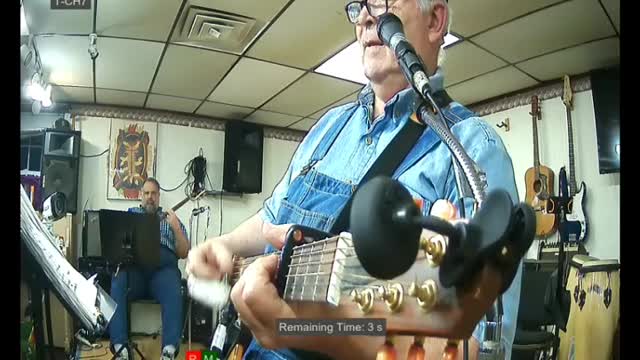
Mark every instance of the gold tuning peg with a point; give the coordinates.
(450, 350)
(416, 351)
(393, 295)
(426, 294)
(387, 351)
(363, 299)
(434, 247)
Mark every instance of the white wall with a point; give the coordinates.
(176, 146)
(29, 121)
(603, 191)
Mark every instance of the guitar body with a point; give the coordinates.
(577, 215)
(237, 353)
(539, 188)
(442, 291)
(570, 229)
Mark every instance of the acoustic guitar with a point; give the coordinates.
(323, 271)
(177, 206)
(575, 225)
(539, 181)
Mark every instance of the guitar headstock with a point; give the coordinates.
(567, 93)
(535, 107)
(423, 301)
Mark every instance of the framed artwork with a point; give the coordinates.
(132, 157)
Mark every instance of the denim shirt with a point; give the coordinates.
(427, 172)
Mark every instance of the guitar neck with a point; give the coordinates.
(316, 271)
(536, 156)
(185, 200)
(572, 169)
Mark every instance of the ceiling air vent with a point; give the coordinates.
(215, 29)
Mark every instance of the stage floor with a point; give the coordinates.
(149, 347)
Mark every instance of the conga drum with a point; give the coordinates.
(595, 309)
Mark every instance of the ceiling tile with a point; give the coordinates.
(560, 26)
(469, 17)
(321, 23)
(264, 9)
(351, 98)
(496, 83)
(66, 60)
(191, 72)
(457, 66)
(41, 19)
(171, 103)
(224, 25)
(310, 93)
(304, 124)
(613, 9)
(140, 19)
(573, 61)
(272, 118)
(223, 111)
(134, 73)
(117, 97)
(71, 94)
(252, 82)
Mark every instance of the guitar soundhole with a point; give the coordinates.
(537, 186)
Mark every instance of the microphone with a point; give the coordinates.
(385, 220)
(391, 32)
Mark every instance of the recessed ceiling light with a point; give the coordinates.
(347, 64)
(449, 40)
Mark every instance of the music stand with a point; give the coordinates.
(129, 239)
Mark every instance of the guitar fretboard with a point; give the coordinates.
(572, 170)
(535, 113)
(318, 271)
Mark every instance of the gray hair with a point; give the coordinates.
(426, 5)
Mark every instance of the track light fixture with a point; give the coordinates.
(93, 47)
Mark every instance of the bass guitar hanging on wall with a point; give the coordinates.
(574, 228)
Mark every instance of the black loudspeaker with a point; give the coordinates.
(60, 165)
(243, 144)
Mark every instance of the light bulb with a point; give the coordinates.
(35, 91)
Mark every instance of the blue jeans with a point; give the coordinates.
(161, 284)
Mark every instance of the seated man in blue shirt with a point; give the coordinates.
(161, 283)
(331, 161)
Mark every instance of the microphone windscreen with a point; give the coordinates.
(385, 248)
(388, 25)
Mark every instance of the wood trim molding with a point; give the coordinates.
(166, 117)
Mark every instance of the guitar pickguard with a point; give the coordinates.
(577, 215)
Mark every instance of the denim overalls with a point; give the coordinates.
(315, 199)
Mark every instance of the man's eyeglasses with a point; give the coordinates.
(374, 8)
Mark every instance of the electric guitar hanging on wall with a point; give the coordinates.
(575, 227)
(539, 182)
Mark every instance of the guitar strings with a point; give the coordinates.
(237, 273)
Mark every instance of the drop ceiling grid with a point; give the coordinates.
(481, 67)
